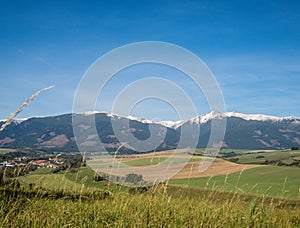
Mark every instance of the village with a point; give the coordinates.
(40, 163)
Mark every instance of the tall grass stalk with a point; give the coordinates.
(19, 109)
(158, 206)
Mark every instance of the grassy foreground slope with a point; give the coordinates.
(160, 206)
(74, 199)
(266, 180)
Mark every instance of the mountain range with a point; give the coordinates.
(243, 131)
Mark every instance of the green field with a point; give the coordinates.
(157, 160)
(71, 180)
(223, 150)
(275, 181)
(236, 200)
(237, 151)
(5, 151)
(258, 158)
(266, 196)
(268, 180)
(159, 206)
(51, 181)
(145, 161)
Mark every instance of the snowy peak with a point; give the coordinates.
(201, 119)
(248, 131)
(165, 123)
(259, 117)
(142, 120)
(16, 121)
(171, 124)
(256, 117)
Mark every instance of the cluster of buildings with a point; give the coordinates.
(50, 163)
(47, 163)
(20, 161)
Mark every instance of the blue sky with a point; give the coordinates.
(252, 47)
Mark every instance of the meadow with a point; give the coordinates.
(286, 157)
(158, 206)
(267, 180)
(248, 175)
(253, 196)
(5, 151)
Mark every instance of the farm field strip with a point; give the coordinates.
(263, 180)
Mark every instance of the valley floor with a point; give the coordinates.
(227, 194)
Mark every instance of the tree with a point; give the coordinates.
(133, 178)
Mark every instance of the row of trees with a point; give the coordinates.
(71, 162)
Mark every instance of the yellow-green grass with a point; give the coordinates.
(70, 180)
(257, 158)
(5, 150)
(160, 206)
(234, 150)
(144, 160)
(267, 180)
(201, 151)
(51, 181)
(156, 208)
(147, 161)
(158, 160)
(42, 171)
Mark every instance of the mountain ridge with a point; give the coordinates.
(244, 131)
(170, 123)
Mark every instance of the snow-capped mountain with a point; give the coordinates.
(249, 131)
(255, 117)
